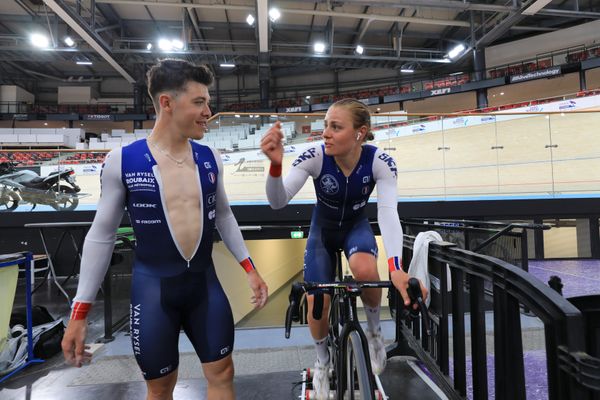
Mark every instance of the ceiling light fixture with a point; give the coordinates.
(274, 14)
(39, 40)
(456, 51)
(69, 42)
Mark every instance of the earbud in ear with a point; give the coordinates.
(357, 135)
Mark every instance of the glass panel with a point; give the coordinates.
(575, 152)
(471, 155)
(524, 160)
(420, 158)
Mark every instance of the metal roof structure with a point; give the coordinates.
(115, 35)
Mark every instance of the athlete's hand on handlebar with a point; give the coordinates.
(400, 280)
(272, 144)
(73, 346)
(259, 289)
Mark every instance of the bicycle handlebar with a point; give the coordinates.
(354, 287)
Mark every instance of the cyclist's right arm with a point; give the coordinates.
(96, 255)
(280, 191)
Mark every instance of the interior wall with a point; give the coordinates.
(560, 242)
(592, 78)
(277, 261)
(532, 90)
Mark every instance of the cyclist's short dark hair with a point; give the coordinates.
(361, 115)
(171, 74)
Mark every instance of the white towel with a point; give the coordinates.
(419, 264)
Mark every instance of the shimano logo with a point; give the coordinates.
(144, 205)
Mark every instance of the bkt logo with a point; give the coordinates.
(436, 92)
(211, 199)
(144, 205)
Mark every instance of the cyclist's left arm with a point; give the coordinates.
(385, 175)
(232, 237)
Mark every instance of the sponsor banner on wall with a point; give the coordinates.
(437, 92)
(97, 117)
(295, 109)
(370, 101)
(80, 169)
(528, 76)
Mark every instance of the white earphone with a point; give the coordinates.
(357, 135)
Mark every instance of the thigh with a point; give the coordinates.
(154, 328)
(360, 239)
(208, 322)
(319, 256)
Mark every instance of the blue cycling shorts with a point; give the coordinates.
(161, 307)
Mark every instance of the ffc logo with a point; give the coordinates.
(329, 184)
(212, 177)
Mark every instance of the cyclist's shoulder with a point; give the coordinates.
(309, 155)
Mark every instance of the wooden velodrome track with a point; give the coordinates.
(542, 154)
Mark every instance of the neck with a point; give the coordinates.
(168, 137)
(348, 161)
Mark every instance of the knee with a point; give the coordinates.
(162, 388)
(222, 375)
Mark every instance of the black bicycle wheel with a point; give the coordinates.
(358, 381)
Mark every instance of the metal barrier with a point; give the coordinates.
(571, 372)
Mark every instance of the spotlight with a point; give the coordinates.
(319, 47)
(165, 45)
(359, 49)
(274, 14)
(69, 42)
(250, 19)
(39, 40)
(456, 51)
(177, 44)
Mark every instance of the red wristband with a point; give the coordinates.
(395, 264)
(80, 310)
(248, 265)
(275, 171)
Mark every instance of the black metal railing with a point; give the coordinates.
(571, 372)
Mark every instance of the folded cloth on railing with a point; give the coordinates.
(419, 263)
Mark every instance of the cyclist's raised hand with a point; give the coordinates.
(272, 144)
(259, 289)
(400, 281)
